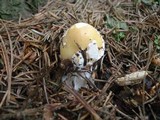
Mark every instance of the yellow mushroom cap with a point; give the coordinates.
(77, 38)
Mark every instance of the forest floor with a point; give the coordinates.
(31, 72)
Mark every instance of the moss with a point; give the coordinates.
(13, 9)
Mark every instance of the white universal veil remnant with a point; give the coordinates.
(83, 45)
(132, 78)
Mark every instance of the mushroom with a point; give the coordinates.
(83, 45)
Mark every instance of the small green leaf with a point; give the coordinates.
(119, 36)
(148, 2)
(157, 41)
(111, 23)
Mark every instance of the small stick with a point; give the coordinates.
(82, 101)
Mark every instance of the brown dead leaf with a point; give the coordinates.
(156, 61)
(49, 109)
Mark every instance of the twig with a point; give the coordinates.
(45, 91)
(3, 99)
(8, 69)
(82, 101)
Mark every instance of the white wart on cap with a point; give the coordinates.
(82, 44)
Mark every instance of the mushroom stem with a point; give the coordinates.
(78, 79)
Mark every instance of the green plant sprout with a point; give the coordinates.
(157, 41)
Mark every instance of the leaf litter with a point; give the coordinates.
(31, 70)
